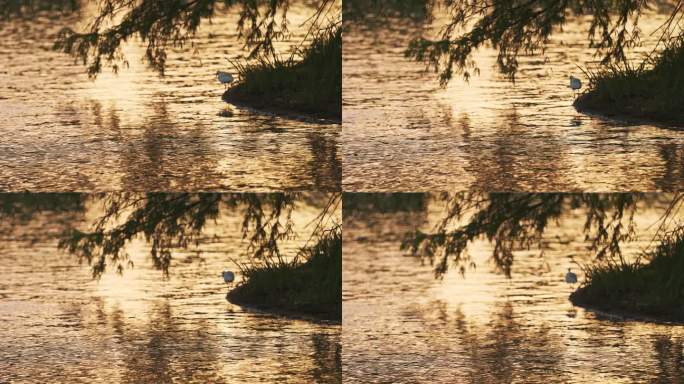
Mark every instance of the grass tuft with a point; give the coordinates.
(653, 90)
(312, 85)
(654, 288)
(312, 287)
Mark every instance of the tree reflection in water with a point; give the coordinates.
(668, 351)
(507, 351)
(30, 8)
(326, 168)
(135, 328)
(673, 164)
(139, 132)
(171, 221)
(403, 325)
(327, 358)
(24, 206)
(166, 349)
(167, 155)
(19, 210)
(515, 222)
(374, 13)
(155, 153)
(504, 350)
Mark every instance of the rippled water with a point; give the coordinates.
(60, 326)
(401, 325)
(137, 131)
(403, 132)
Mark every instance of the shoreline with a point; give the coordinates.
(310, 289)
(613, 311)
(588, 103)
(331, 317)
(236, 97)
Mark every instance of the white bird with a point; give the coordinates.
(224, 78)
(570, 277)
(228, 277)
(575, 83)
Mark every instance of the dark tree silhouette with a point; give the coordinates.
(369, 11)
(523, 27)
(168, 24)
(169, 221)
(512, 221)
(172, 23)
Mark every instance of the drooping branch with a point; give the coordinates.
(162, 25)
(172, 221)
(523, 27)
(519, 221)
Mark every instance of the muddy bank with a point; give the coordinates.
(331, 313)
(281, 106)
(626, 310)
(637, 109)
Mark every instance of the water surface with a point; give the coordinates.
(401, 325)
(138, 131)
(402, 132)
(60, 326)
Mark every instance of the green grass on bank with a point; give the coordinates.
(312, 287)
(312, 85)
(653, 289)
(653, 91)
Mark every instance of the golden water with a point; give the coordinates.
(401, 325)
(61, 326)
(138, 131)
(402, 132)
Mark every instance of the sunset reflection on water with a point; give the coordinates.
(403, 325)
(60, 325)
